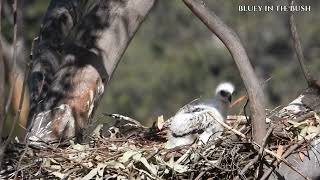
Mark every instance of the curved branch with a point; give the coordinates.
(298, 48)
(235, 47)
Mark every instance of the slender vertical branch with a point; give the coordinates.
(2, 83)
(235, 47)
(298, 48)
(17, 114)
(14, 58)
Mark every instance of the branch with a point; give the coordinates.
(257, 157)
(235, 47)
(2, 84)
(15, 76)
(14, 59)
(298, 48)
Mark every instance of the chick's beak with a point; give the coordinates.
(230, 98)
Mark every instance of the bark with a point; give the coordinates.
(15, 75)
(2, 93)
(2, 83)
(235, 47)
(7, 50)
(19, 69)
(80, 45)
(311, 81)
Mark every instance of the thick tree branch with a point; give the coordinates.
(235, 47)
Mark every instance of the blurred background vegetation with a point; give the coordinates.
(174, 59)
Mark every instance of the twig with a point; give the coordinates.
(228, 127)
(184, 156)
(258, 170)
(214, 165)
(256, 158)
(122, 117)
(200, 175)
(152, 154)
(17, 115)
(265, 140)
(299, 52)
(306, 116)
(9, 98)
(20, 160)
(14, 53)
(2, 84)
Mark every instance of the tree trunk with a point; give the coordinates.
(79, 46)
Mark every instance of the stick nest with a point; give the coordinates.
(143, 156)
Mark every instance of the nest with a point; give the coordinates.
(143, 156)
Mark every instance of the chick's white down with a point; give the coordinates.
(197, 119)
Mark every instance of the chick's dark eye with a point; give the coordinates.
(226, 95)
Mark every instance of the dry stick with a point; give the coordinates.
(256, 159)
(239, 54)
(122, 117)
(258, 145)
(200, 175)
(306, 116)
(17, 115)
(14, 59)
(15, 45)
(298, 48)
(18, 169)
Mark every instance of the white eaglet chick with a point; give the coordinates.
(193, 120)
